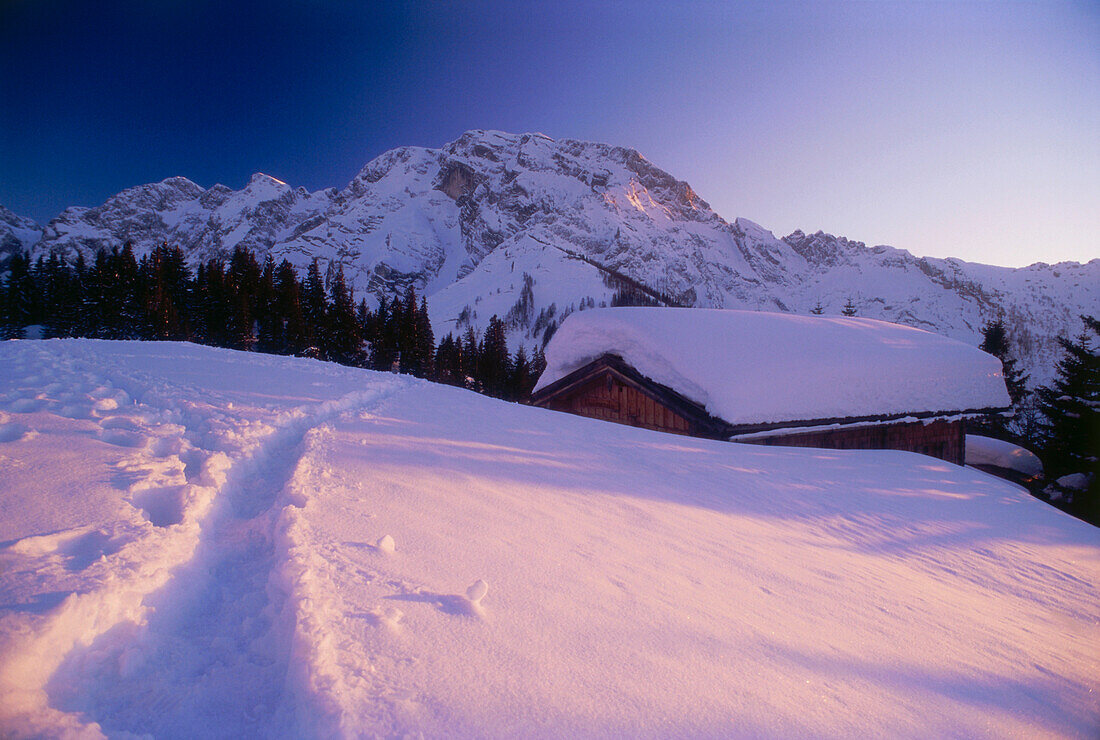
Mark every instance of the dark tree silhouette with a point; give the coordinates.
(1071, 428)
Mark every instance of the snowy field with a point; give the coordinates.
(197, 542)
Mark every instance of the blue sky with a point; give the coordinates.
(968, 129)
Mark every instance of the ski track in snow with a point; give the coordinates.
(210, 552)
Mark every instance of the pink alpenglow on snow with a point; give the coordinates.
(198, 542)
(748, 367)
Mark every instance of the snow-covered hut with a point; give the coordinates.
(771, 378)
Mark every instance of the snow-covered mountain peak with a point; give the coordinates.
(161, 195)
(262, 185)
(753, 229)
(490, 222)
(265, 178)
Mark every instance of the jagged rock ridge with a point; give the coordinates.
(530, 228)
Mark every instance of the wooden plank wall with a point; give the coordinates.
(605, 397)
(942, 439)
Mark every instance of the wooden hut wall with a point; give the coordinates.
(942, 439)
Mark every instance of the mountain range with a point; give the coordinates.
(531, 228)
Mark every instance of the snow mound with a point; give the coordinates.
(998, 453)
(477, 590)
(750, 367)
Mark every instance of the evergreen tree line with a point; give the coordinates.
(245, 305)
(1060, 421)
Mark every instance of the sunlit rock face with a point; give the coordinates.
(531, 228)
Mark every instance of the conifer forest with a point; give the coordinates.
(245, 305)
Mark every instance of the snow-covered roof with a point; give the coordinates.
(749, 367)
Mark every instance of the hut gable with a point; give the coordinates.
(610, 389)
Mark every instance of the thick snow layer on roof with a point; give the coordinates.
(988, 451)
(750, 367)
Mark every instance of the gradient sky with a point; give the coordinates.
(966, 129)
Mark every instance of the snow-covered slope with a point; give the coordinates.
(197, 542)
(580, 214)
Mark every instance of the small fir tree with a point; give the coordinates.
(313, 308)
(995, 342)
(521, 381)
(18, 298)
(289, 331)
(448, 361)
(345, 343)
(1071, 428)
(470, 349)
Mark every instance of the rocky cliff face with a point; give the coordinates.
(530, 228)
(17, 234)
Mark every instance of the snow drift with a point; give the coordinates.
(1001, 454)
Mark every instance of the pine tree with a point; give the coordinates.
(538, 365)
(123, 308)
(818, 309)
(345, 343)
(424, 342)
(995, 342)
(54, 284)
(521, 381)
(313, 310)
(78, 296)
(289, 325)
(494, 363)
(165, 282)
(212, 299)
(18, 298)
(1071, 407)
(448, 361)
(379, 334)
(392, 335)
(405, 326)
(364, 321)
(242, 280)
(470, 359)
(269, 326)
(849, 308)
